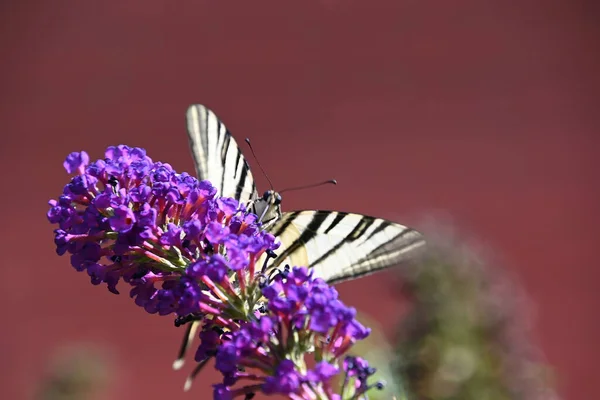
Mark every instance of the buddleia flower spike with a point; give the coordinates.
(185, 251)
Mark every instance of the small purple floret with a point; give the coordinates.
(76, 161)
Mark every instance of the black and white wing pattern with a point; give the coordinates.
(340, 246)
(217, 156)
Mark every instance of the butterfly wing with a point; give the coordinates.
(217, 156)
(341, 246)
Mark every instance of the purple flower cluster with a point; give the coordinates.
(186, 251)
(166, 234)
(302, 315)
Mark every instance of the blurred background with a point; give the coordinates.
(482, 111)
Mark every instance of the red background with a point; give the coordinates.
(484, 109)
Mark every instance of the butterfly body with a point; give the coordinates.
(267, 208)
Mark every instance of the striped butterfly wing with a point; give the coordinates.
(340, 246)
(217, 156)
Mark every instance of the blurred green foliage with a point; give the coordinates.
(467, 335)
(377, 350)
(76, 372)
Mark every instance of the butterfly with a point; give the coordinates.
(336, 245)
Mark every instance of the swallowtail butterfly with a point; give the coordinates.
(337, 245)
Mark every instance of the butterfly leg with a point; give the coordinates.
(279, 272)
(269, 224)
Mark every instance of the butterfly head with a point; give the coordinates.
(268, 207)
(272, 197)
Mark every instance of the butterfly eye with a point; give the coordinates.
(266, 195)
(277, 199)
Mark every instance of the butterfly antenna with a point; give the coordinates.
(257, 162)
(332, 181)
